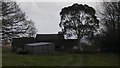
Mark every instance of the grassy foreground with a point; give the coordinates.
(59, 59)
(0, 56)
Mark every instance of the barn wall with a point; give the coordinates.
(40, 49)
(19, 42)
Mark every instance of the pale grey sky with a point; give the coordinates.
(45, 15)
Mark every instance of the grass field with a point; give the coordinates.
(0, 56)
(58, 59)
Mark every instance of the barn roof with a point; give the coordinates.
(47, 37)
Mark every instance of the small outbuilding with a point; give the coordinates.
(40, 48)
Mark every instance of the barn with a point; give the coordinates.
(60, 43)
(44, 43)
(18, 43)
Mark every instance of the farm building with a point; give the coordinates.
(44, 43)
(40, 48)
(58, 40)
(18, 43)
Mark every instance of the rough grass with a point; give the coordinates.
(0, 56)
(58, 59)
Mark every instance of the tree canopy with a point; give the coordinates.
(78, 20)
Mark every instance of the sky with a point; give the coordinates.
(45, 13)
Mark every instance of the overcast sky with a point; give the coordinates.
(45, 13)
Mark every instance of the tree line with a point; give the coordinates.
(80, 20)
(77, 21)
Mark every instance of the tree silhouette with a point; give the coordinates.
(111, 16)
(14, 22)
(78, 20)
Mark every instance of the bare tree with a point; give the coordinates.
(111, 16)
(14, 22)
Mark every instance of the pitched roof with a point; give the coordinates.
(47, 37)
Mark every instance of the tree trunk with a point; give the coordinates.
(80, 46)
